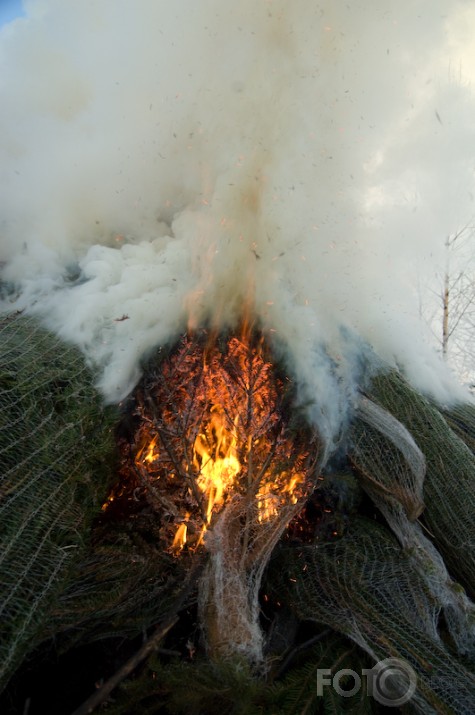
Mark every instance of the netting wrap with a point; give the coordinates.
(449, 485)
(211, 465)
(366, 587)
(56, 452)
(393, 472)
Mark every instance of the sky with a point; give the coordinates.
(166, 164)
(9, 10)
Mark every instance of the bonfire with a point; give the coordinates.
(207, 516)
(225, 464)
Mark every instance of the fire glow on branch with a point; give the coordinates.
(213, 426)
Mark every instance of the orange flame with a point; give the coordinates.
(218, 430)
(180, 538)
(272, 495)
(151, 452)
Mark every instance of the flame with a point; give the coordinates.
(273, 494)
(151, 452)
(179, 540)
(215, 456)
(215, 428)
(216, 463)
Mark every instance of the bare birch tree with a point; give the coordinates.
(452, 317)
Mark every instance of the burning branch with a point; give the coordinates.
(224, 469)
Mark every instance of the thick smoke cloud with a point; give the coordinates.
(171, 163)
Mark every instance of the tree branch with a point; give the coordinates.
(125, 670)
(151, 644)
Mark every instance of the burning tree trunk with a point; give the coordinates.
(227, 464)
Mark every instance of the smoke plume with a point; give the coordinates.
(165, 164)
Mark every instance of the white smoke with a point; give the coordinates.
(169, 162)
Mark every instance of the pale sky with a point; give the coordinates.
(9, 10)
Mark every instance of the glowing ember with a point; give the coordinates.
(214, 425)
(271, 495)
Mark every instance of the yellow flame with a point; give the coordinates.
(180, 538)
(148, 453)
(213, 471)
(270, 495)
(267, 502)
(215, 456)
(152, 451)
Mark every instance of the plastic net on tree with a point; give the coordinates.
(56, 459)
(392, 471)
(461, 419)
(364, 586)
(449, 484)
(64, 572)
(123, 584)
(214, 467)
